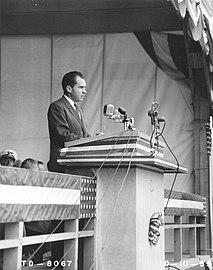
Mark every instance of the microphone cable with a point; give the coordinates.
(151, 137)
(176, 172)
(60, 222)
(158, 134)
(116, 202)
(112, 179)
(164, 125)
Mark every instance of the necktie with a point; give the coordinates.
(77, 110)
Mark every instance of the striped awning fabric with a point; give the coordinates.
(168, 52)
(199, 20)
(184, 204)
(27, 195)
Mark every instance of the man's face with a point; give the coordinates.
(78, 92)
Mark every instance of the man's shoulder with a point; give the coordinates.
(56, 105)
(59, 102)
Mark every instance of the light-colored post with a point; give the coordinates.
(13, 256)
(71, 246)
(192, 238)
(178, 245)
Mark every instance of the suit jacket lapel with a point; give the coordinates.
(73, 111)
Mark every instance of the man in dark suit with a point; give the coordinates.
(65, 118)
(66, 123)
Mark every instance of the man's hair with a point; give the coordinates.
(70, 79)
(7, 161)
(29, 163)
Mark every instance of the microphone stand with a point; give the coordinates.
(128, 123)
(157, 129)
(155, 121)
(125, 121)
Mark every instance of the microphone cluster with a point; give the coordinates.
(119, 115)
(155, 122)
(153, 113)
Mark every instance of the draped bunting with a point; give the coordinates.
(168, 52)
(27, 195)
(182, 203)
(200, 21)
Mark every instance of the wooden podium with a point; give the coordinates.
(130, 189)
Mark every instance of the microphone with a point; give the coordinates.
(119, 115)
(153, 111)
(122, 111)
(108, 110)
(161, 119)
